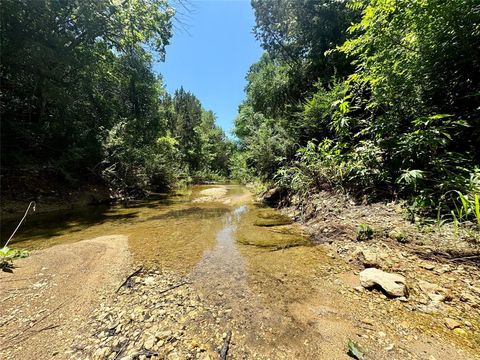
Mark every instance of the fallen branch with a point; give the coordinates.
(49, 327)
(226, 346)
(466, 258)
(173, 287)
(19, 279)
(8, 297)
(129, 277)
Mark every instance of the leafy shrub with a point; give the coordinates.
(7, 255)
(364, 232)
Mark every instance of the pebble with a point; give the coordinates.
(150, 343)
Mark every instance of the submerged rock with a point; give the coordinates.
(393, 284)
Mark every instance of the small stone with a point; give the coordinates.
(436, 297)
(101, 353)
(389, 347)
(428, 287)
(150, 280)
(459, 331)
(392, 284)
(452, 323)
(427, 266)
(194, 344)
(150, 343)
(369, 258)
(174, 356)
(165, 334)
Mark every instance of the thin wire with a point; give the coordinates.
(20, 223)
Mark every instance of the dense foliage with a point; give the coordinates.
(78, 94)
(378, 98)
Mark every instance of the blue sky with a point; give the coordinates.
(212, 55)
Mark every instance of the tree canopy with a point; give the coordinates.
(376, 98)
(79, 93)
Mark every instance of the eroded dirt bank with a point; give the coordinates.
(218, 274)
(50, 294)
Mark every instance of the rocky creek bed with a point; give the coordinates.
(152, 316)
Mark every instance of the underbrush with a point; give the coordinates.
(7, 256)
(364, 174)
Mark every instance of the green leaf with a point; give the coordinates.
(354, 350)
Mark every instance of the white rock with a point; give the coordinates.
(150, 343)
(101, 353)
(452, 323)
(428, 287)
(150, 280)
(392, 284)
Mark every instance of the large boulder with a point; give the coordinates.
(392, 284)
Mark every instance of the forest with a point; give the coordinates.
(374, 98)
(79, 96)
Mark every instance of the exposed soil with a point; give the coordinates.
(50, 294)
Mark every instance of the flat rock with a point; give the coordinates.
(430, 288)
(452, 323)
(392, 284)
(369, 258)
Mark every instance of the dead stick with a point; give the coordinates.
(19, 279)
(8, 297)
(173, 287)
(49, 327)
(129, 277)
(226, 345)
(465, 258)
(31, 332)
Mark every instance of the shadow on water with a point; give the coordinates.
(59, 222)
(153, 201)
(192, 213)
(54, 224)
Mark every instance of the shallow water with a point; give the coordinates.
(177, 230)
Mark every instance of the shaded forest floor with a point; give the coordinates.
(49, 188)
